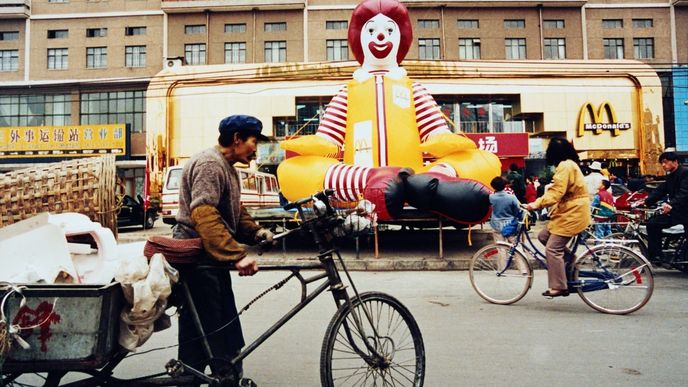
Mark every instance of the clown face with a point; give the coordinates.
(380, 38)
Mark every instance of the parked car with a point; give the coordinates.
(131, 213)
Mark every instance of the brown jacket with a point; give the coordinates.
(568, 199)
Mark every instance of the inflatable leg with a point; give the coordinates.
(461, 200)
(385, 189)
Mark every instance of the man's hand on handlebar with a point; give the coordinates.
(265, 235)
(246, 266)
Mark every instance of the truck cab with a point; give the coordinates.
(258, 189)
(170, 194)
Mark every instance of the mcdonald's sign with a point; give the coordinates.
(597, 126)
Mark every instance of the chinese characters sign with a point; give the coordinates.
(57, 141)
(502, 144)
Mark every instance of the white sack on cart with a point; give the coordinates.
(146, 288)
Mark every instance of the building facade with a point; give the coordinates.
(68, 62)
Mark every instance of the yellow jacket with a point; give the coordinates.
(568, 199)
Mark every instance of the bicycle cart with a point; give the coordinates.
(371, 340)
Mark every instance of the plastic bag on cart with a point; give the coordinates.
(146, 286)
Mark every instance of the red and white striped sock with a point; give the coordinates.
(347, 181)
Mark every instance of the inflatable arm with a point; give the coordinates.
(312, 145)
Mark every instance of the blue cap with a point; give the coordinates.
(244, 124)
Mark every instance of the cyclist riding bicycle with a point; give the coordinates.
(674, 210)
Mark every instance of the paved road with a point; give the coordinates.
(536, 342)
(560, 342)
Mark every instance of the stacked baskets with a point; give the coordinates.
(86, 186)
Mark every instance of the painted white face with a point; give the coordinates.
(380, 39)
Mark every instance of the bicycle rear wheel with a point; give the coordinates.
(493, 281)
(389, 328)
(614, 279)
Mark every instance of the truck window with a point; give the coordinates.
(261, 184)
(273, 184)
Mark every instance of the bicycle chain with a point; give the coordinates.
(268, 290)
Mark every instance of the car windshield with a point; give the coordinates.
(173, 178)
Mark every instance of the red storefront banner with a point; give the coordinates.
(502, 144)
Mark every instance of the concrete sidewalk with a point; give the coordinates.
(407, 249)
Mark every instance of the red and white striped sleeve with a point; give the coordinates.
(333, 124)
(430, 120)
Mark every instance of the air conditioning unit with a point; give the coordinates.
(174, 63)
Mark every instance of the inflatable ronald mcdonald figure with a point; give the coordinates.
(384, 122)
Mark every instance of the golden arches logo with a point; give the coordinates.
(597, 126)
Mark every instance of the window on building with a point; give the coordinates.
(612, 23)
(514, 23)
(337, 50)
(235, 52)
(555, 48)
(553, 24)
(275, 51)
(515, 48)
(428, 23)
(613, 48)
(644, 48)
(9, 60)
(273, 27)
(135, 56)
(429, 48)
(58, 34)
(96, 57)
(235, 27)
(35, 110)
(469, 48)
(309, 111)
(115, 107)
(96, 32)
(194, 29)
(131, 31)
(336, 25)
(467, 23)
(58, 58)
(9, 35)
(642, 23)
(194, 53)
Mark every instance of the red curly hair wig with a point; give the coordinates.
(390, 8)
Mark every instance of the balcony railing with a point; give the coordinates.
(497, 127)
(12, 9)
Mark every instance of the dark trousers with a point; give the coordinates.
(211, 291)
(655, 225)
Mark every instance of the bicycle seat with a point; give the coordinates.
(673, 230)
(176, 251)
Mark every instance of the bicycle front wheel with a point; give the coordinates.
(374, 341)
(613, 279)
(498, 277)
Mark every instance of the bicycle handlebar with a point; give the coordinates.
(320, 195)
